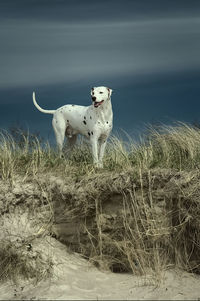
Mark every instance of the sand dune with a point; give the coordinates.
(75, 278)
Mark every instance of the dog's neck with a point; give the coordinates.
(104, 111)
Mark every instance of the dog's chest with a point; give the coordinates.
(103, 122)
(97, 123)
(103, 126)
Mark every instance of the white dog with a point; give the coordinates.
(94, 122)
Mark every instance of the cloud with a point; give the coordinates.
(36, 52)
(110, 10)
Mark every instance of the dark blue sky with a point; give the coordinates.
(148, 52)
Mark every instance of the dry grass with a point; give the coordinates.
(176, 147)
(17, 260)
(140, 213)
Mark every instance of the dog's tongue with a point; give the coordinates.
(97, 104)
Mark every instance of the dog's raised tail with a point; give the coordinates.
(39, 108)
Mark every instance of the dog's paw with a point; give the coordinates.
(98, 165)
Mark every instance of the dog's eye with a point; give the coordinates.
(100, 92)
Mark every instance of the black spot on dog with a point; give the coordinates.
(107, 122)
(92, 133)
(67, 120)
(90, 117)
(89, 133)
(84, 117)
(84, 122)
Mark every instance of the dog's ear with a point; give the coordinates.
(110, 91)
(92, 90)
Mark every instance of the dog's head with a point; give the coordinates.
(100, 95)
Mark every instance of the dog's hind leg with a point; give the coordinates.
(59, 130)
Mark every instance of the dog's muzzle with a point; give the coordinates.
(96, 103)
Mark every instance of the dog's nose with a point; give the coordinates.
(94, 98)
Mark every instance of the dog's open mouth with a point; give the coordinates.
(96, 104)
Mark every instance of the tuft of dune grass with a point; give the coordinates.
(176, 147)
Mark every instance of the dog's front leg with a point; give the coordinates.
(102, 145)
(94, 145)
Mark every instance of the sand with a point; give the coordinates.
(75, 278)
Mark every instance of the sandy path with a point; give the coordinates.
(74, 278)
